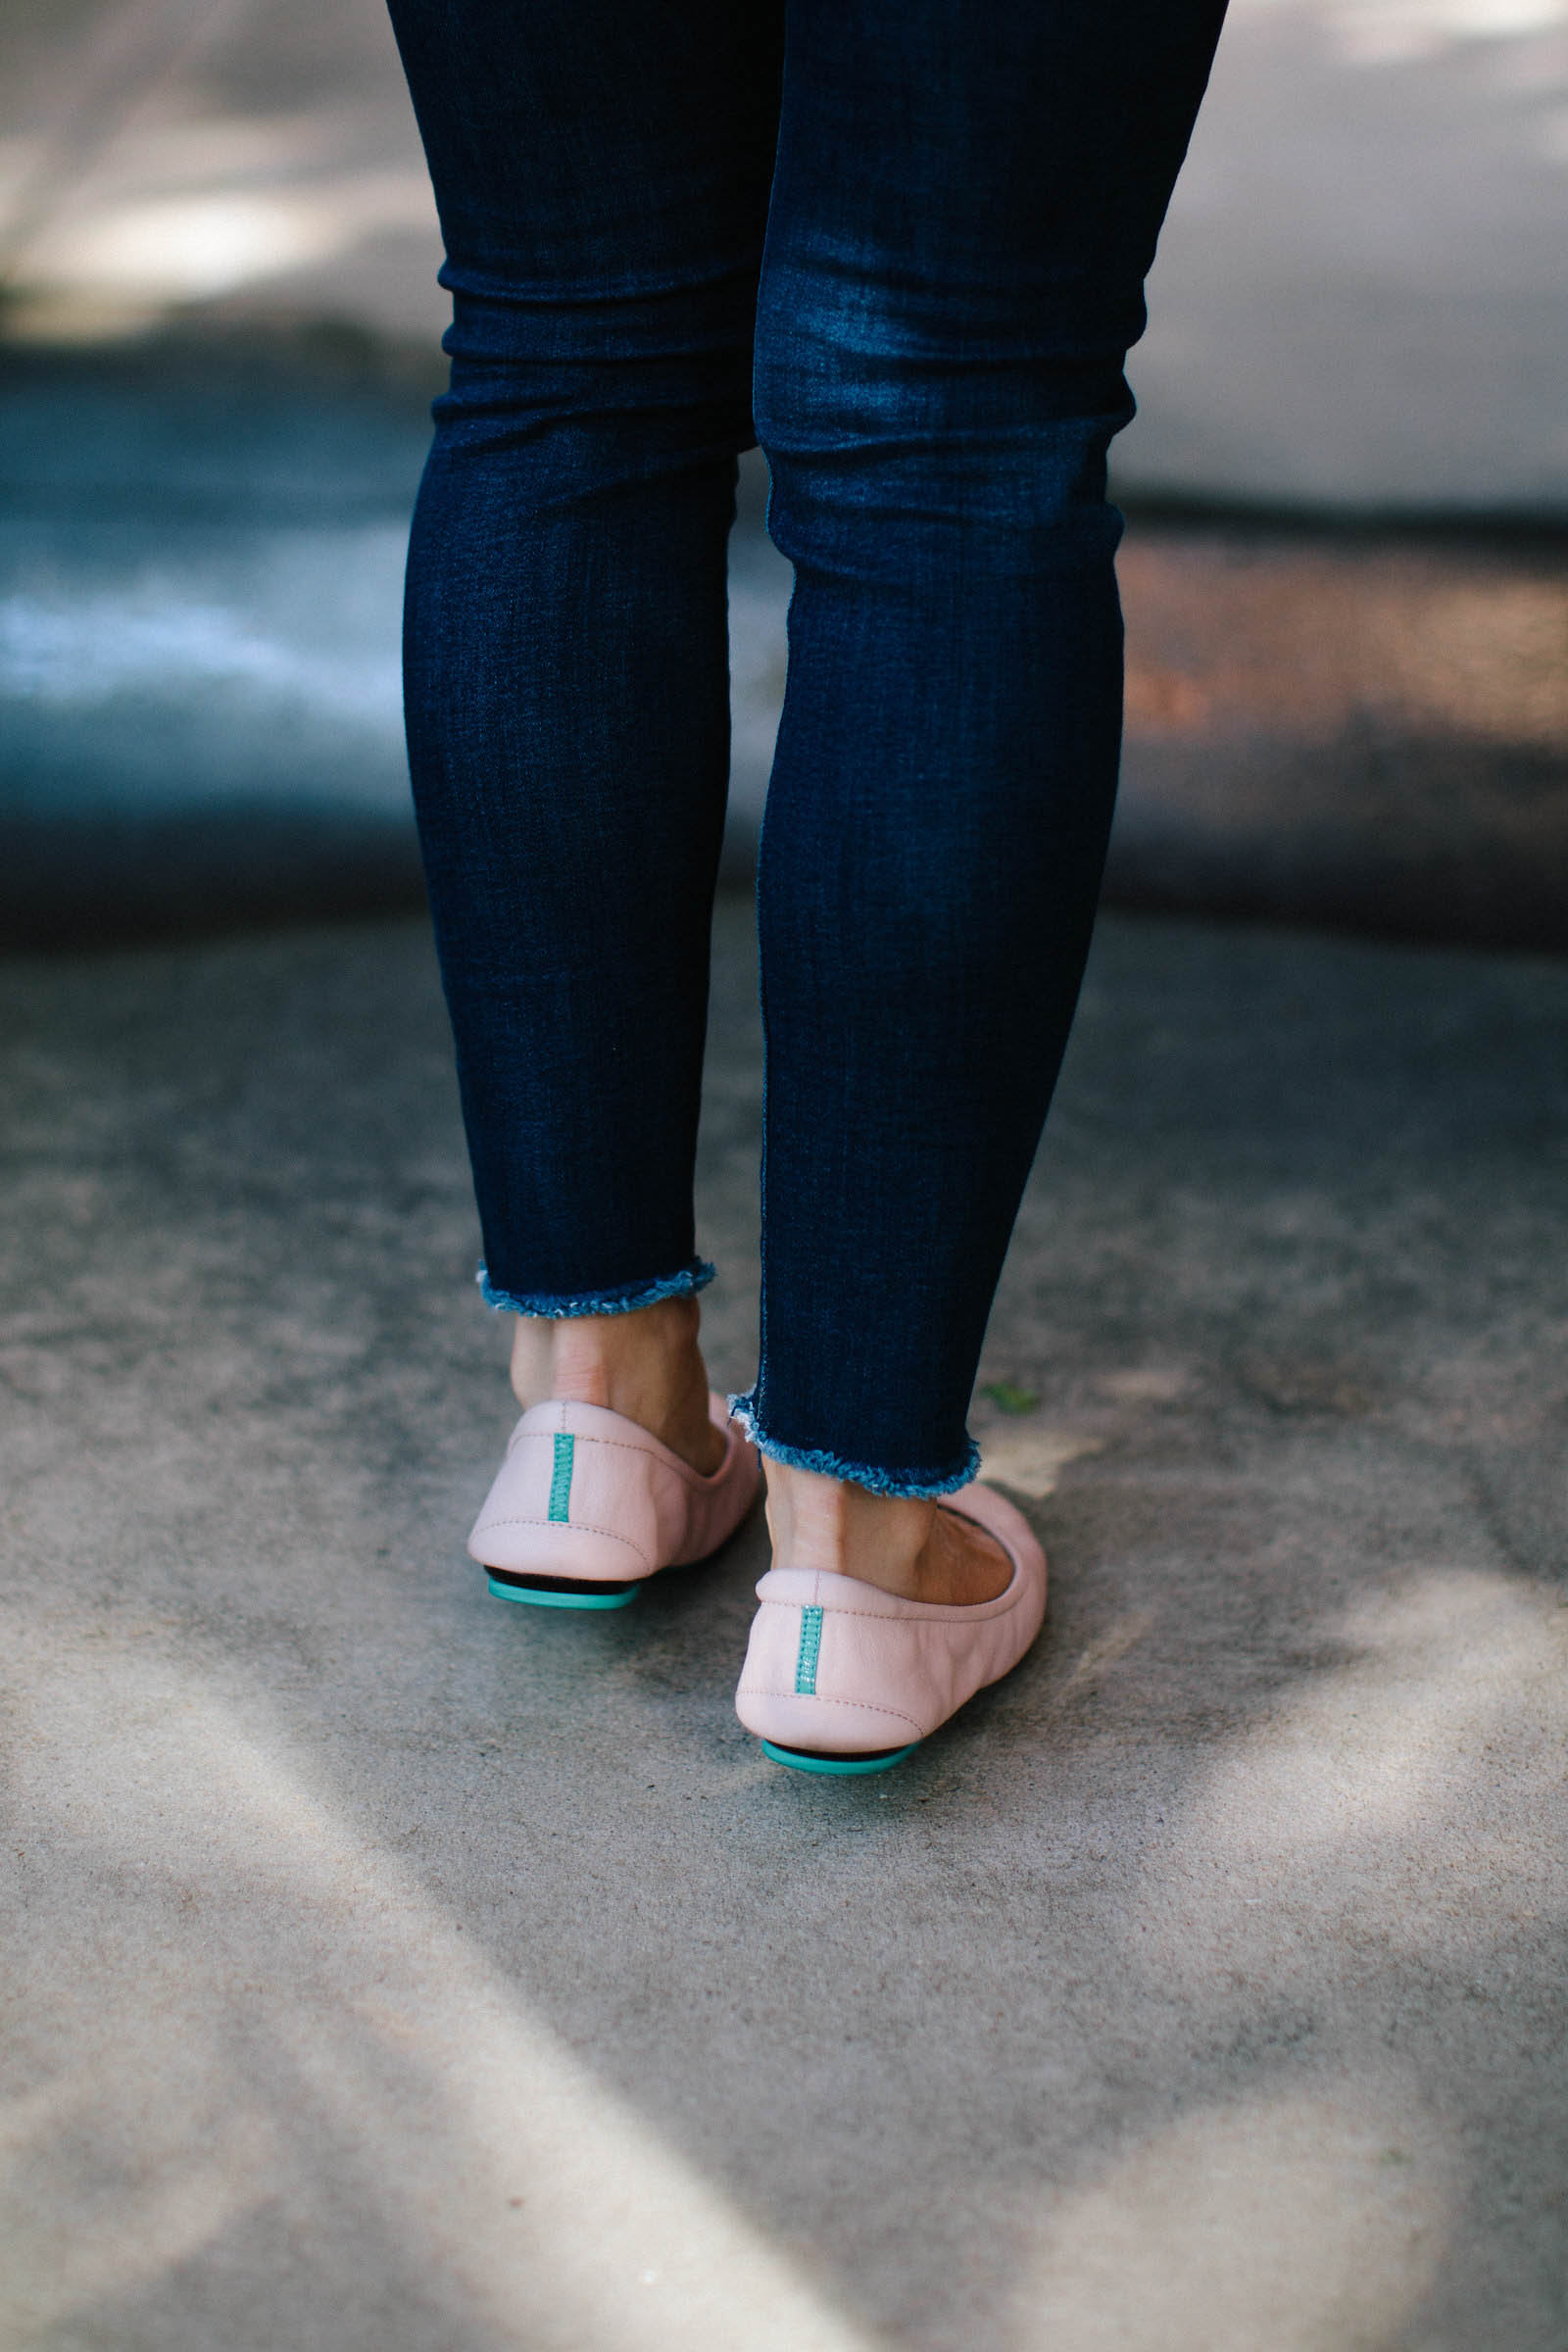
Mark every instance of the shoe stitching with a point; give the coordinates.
(806, 1663)
(961, 1609)
(862, 1707)
(581, 1527)
(654, 1451)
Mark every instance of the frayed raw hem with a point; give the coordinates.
(919, 1483)
(621, 1301)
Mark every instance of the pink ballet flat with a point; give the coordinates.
(841, 1677)
(588, 1505)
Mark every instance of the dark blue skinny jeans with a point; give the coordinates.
(900, 243)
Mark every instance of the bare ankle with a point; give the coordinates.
(902, 1544)
(834, 1525)
(646, 1365)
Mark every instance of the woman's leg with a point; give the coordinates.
(964, 207)
(602, 175)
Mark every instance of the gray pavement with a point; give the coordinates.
(383, 1967)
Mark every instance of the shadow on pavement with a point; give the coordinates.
(400, 1972)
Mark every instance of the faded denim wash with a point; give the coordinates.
(901, 243)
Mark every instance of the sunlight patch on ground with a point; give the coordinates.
(1395, 1798)
(1388, 1751)
(1370, 33)
(1298, 2223)
(311, 1991)
(1032, 1459)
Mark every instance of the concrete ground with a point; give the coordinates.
(386, 1967)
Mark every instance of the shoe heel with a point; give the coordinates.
(561, 1592)
(802, 1759)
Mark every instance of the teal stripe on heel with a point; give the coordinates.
(560, 1511)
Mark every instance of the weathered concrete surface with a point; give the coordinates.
(384, 1967)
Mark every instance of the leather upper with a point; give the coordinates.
(586, 1493)
(841, 1667)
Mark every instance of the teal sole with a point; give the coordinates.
(837, 1767)
(535, 1599)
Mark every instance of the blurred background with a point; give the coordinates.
(1346, 568)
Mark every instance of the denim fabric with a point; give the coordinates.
(907, 239)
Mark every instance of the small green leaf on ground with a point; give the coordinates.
(1009, 1399)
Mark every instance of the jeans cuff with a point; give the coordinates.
(947, 1479)
(622, 1300)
